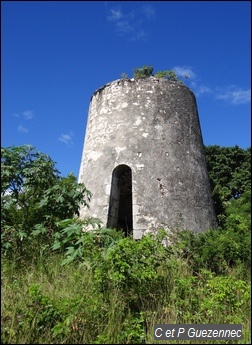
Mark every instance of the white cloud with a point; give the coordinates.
(184, 71)
(204, 89)
(234, 95)
(28, 114)
(200, 89)
(141, 34)
(116, 14)
(67, 138)
(25, 115)
(231, 94)
(22, 129)
(122, 21)
(189, 77)
(148, 11)
(124, 26)
(131, 24)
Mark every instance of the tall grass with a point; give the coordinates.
(44, 302)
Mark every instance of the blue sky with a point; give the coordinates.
(55, 54)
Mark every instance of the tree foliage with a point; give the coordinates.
(33, 192)
(171, 75)
(229, 170)
(145, 71)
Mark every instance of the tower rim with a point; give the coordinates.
(120, 81)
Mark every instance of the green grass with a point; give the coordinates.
(45, 302)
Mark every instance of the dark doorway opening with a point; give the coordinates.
(120, 205)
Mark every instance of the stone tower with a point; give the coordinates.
(143, 158)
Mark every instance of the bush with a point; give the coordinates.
(166, 75)
(34, 197)
(145, 71)
(216, 250)
(133, 267)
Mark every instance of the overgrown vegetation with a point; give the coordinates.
(230, 175)
(64, 284)
(147, 71)
(33, 199)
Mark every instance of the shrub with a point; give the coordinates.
(166, 75)
(145, 71)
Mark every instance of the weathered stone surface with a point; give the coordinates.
(146, 129)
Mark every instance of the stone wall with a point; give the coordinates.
(152, 127)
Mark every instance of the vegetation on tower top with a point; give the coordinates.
(147, 71)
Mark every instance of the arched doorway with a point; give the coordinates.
(120, 204)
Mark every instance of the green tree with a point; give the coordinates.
(145, 71)
(33, 192)
(230, 244)
(166, 75)
(230, 174)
